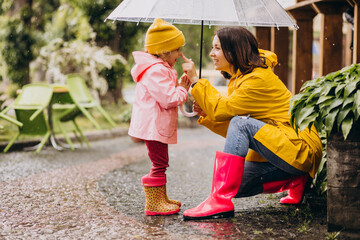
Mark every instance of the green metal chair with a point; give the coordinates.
(63, 114)
(30, 106)
(82, 98)
(10, 119)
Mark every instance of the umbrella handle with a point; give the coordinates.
(187, 114)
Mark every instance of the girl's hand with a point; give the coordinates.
(185, 82)
(189, 69)
(197, 108)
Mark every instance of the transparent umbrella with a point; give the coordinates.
(261, 13)
(266, 13)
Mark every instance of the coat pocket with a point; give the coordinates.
(166, 122)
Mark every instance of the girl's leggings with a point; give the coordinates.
(158, 154)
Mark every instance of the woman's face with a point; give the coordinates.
(218, 57)
(171, 57)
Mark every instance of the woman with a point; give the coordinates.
(262, 152)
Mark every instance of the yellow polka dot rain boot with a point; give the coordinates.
(172, 201)
(156, 203)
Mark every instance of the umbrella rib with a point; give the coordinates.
(237, 13)
(153, 7)
(277, 26)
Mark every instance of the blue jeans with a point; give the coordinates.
(239, 138)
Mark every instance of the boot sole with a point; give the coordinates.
(229, 214)
(149, 213)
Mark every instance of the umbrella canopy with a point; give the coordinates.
(262, 13)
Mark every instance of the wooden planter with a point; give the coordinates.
(343, 181)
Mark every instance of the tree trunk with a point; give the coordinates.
(343, 181)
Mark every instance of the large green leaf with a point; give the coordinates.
(308, 121)
(348, 100)
(325, 106)
(327, 87)
(318, 123)
(357, 98)
(339, 89)
(330, 119)
(314, 94)
(297, 99)
(350, 88)
(342, 114)
(332, 75)
(346, 126)
(304, 113)
(328, 100)
(312, 83)
(337, 102)
(356, 111)
(349, 68)
(323, 99)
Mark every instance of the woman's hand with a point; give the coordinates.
(189, 69)
(197, 108)
(185, 82)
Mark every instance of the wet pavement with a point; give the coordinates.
(96, 193)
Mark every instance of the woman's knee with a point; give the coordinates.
(237, 122)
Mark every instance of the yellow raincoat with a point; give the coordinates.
(263, 96)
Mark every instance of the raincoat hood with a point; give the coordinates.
(143, 61)
(271, 58)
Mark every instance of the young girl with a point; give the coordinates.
(155, 112)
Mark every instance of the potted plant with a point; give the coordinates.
(331, 104)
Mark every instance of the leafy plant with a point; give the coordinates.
(331, 102)
(317, 194)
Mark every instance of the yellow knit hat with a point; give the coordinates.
(163, 37)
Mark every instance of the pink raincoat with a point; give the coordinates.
(157, 96)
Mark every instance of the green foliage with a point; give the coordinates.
(331, 102)
(318, 188)
(118, 72)
(16, 48)
(68, 23)
(59, 58)
(5, 6)
(121, 36)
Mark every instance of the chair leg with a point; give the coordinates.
(68, 140)
(78, 137)
(88, 115)
(106, 116)
(43, 141)
(11, 142)
(81, 134)
(14, 121)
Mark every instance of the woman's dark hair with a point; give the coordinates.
(240, 49)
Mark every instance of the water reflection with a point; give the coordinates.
(221, 229)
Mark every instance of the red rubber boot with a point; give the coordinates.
(296, 187)
(228, 171)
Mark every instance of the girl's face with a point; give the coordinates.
(218, 57)
(171, 57)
